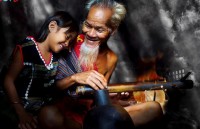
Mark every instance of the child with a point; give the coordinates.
(29, 81)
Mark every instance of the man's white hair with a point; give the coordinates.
(118, 9)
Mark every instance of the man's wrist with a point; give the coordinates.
(73, 78)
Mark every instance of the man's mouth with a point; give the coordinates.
(92, 42)
(92, 39)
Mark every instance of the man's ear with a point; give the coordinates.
(113, 31)
(53, 27)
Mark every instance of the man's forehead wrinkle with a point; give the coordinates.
(100, 15)
(96, 24)
(96, 19)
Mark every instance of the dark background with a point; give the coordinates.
(160, 35)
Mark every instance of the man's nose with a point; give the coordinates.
(92, 32)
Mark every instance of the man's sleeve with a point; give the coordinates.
(62, 70)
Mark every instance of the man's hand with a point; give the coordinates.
(122, 98)
(92, 78)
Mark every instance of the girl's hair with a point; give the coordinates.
(63, 20)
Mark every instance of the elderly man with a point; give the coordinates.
(92, 62)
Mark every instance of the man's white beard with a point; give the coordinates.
(88, 56)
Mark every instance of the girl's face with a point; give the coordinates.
(59, 39)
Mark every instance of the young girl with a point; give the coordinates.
(29, 81)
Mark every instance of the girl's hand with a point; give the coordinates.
(27, 121)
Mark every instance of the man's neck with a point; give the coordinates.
(102, 48)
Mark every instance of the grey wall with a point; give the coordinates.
(164, 34)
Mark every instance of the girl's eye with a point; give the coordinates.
(67, 38)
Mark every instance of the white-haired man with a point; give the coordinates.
(92, 62)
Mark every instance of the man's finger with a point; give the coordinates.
(101, 76)
(92, 84)
(97, 82)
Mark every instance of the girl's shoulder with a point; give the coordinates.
(28, 41)
(27, 48)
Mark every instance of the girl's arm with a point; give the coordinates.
(13, 71)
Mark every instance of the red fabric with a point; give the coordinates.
(79, 41)
(21, 53)
(76, 109)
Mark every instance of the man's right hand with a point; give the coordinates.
(92, 78)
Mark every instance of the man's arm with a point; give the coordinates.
(112, 62)
(92, 78)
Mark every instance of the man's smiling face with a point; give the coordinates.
(95, 26)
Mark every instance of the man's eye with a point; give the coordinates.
(100, 30)
(88, 26)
